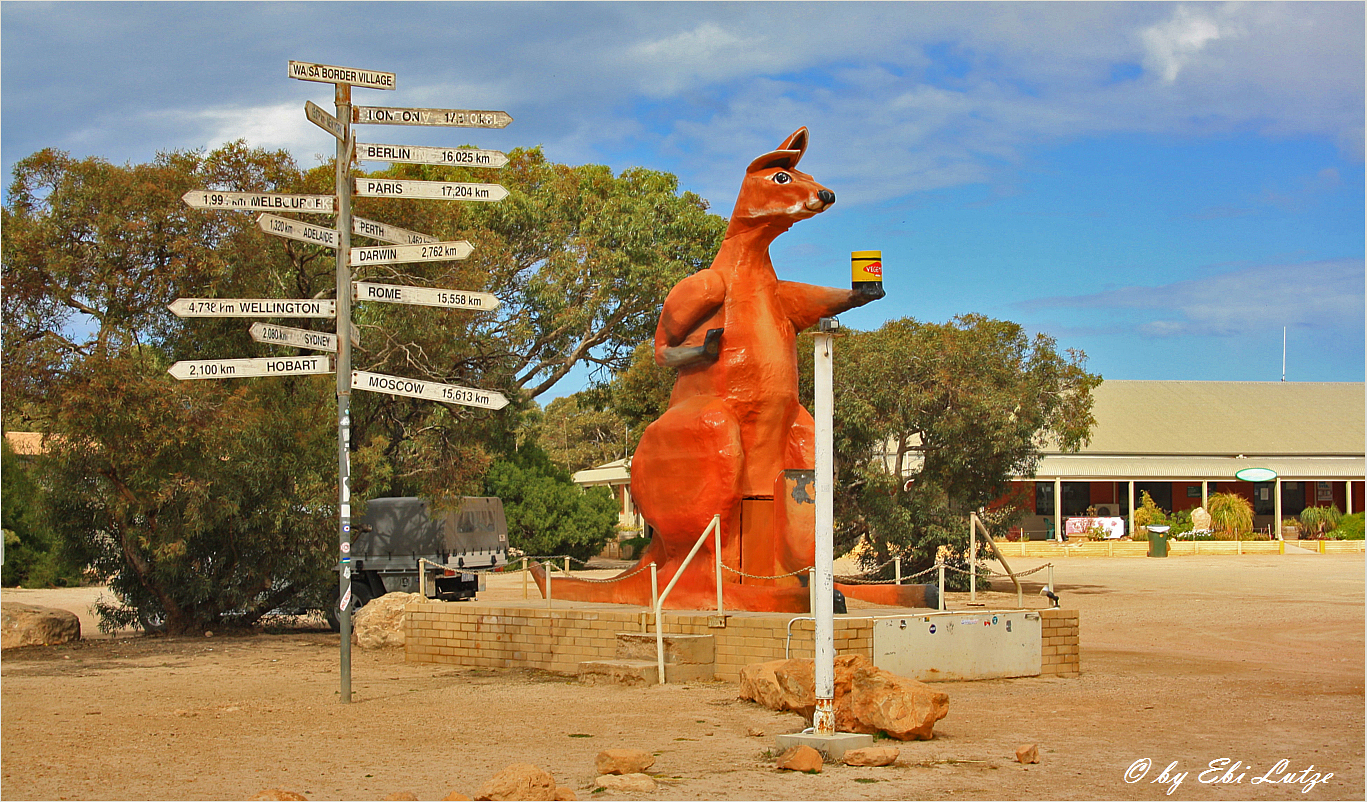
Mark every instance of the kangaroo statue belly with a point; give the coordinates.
(735, 442)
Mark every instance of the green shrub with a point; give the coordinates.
(1350, 527)
(1316, 522)
(1231, 514)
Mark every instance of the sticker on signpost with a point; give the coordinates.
(346, 600)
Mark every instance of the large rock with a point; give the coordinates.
(871, 756)
(518, 781)
(634, 783)
(800, 758)
(1200, 519)
(31, 625)
(623, 761)
(867, 698)
(279, 795)
(379, 624)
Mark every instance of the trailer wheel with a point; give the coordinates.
(361, 595)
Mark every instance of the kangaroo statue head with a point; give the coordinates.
(775, 194)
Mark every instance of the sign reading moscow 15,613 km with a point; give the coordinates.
(432, 391)
(431, 190)
(424, 296)
(259, 201)
(458, 118)
(252, 307)
(250, 368)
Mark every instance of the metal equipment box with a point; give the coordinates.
(960, 644)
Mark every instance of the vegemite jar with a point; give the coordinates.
(866, 269)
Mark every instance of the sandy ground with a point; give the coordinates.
(1185, 661)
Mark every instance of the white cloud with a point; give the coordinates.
(1173, 43)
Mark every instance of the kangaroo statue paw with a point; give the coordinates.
(689, 355)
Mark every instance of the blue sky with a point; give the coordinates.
(1164, 186)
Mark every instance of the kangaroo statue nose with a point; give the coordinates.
(827, 197)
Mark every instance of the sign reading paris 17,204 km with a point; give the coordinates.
(432, 391)
(430, 190)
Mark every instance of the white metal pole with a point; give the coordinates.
(659, 631)
(716, 547)
(897, 568)
(524, 577)
(940, 564)
(1058, 510)
(972, 556)
(823, 718)
(549, 566)
(342, 96)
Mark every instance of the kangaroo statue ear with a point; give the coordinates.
(786, 156)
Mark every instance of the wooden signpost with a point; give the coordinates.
(405, 247)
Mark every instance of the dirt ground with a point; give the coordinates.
(1185, 661)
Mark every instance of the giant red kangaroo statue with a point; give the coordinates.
(735, 440)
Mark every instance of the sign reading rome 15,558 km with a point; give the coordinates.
(424, 296)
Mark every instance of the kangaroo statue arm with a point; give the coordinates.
(805, 304)
(692, 302)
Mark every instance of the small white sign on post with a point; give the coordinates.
(424, 296)
(457, 118)
(259, 201)
(411, 154)
(397, 254)
(323, 120)
(298, 338)
(430, 190)
(328, 74)
(432, 391)
(293, 229)
(251, 368)
(388, 233)
(252, 307)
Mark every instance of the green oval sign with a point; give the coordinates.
(1256, 475)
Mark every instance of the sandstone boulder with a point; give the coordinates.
(800, 758)
(401, 796)
(1200, 519)
(868, 699)
(1027, 753)
(635, 783)
(518, 781)
(456, 796)
(379, 624)
(623, 761)
(871, 756)
(563, 794)
(31, 625)
(279, 795)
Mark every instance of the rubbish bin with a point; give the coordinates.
(1158, 540)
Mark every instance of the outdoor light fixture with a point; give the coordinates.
(828, 324)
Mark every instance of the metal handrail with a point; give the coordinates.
(660, 600)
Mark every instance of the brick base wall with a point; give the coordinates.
(557, 640)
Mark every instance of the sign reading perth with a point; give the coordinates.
(388, 233)
(432, 391)
(252, 307)
(328, 74)
(424, 296)
(248, 368)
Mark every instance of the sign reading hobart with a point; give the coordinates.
(328, 74)
(250, 368)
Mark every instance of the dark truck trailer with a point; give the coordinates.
(387, 544)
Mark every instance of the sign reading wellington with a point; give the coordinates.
(328, 74)
(395, 254)
(387, 233)
(252, 307)
(432, 391)
(414, 154)
(431, 190)
(293, 229)
(259, 201)
(459, 118)
(424, 296)
(250, 368)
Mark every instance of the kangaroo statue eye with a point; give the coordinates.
(782, 178)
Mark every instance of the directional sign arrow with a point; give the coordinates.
(432, 391)
(328, 74)
(459, 118)
(424, 296)
(252, 307)
(395, 254)
(250, 368)
(293, 229)
(299, 338)
(411, 154)
(432, 190)
(323, 120)
(387, 233)
(259, 201)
